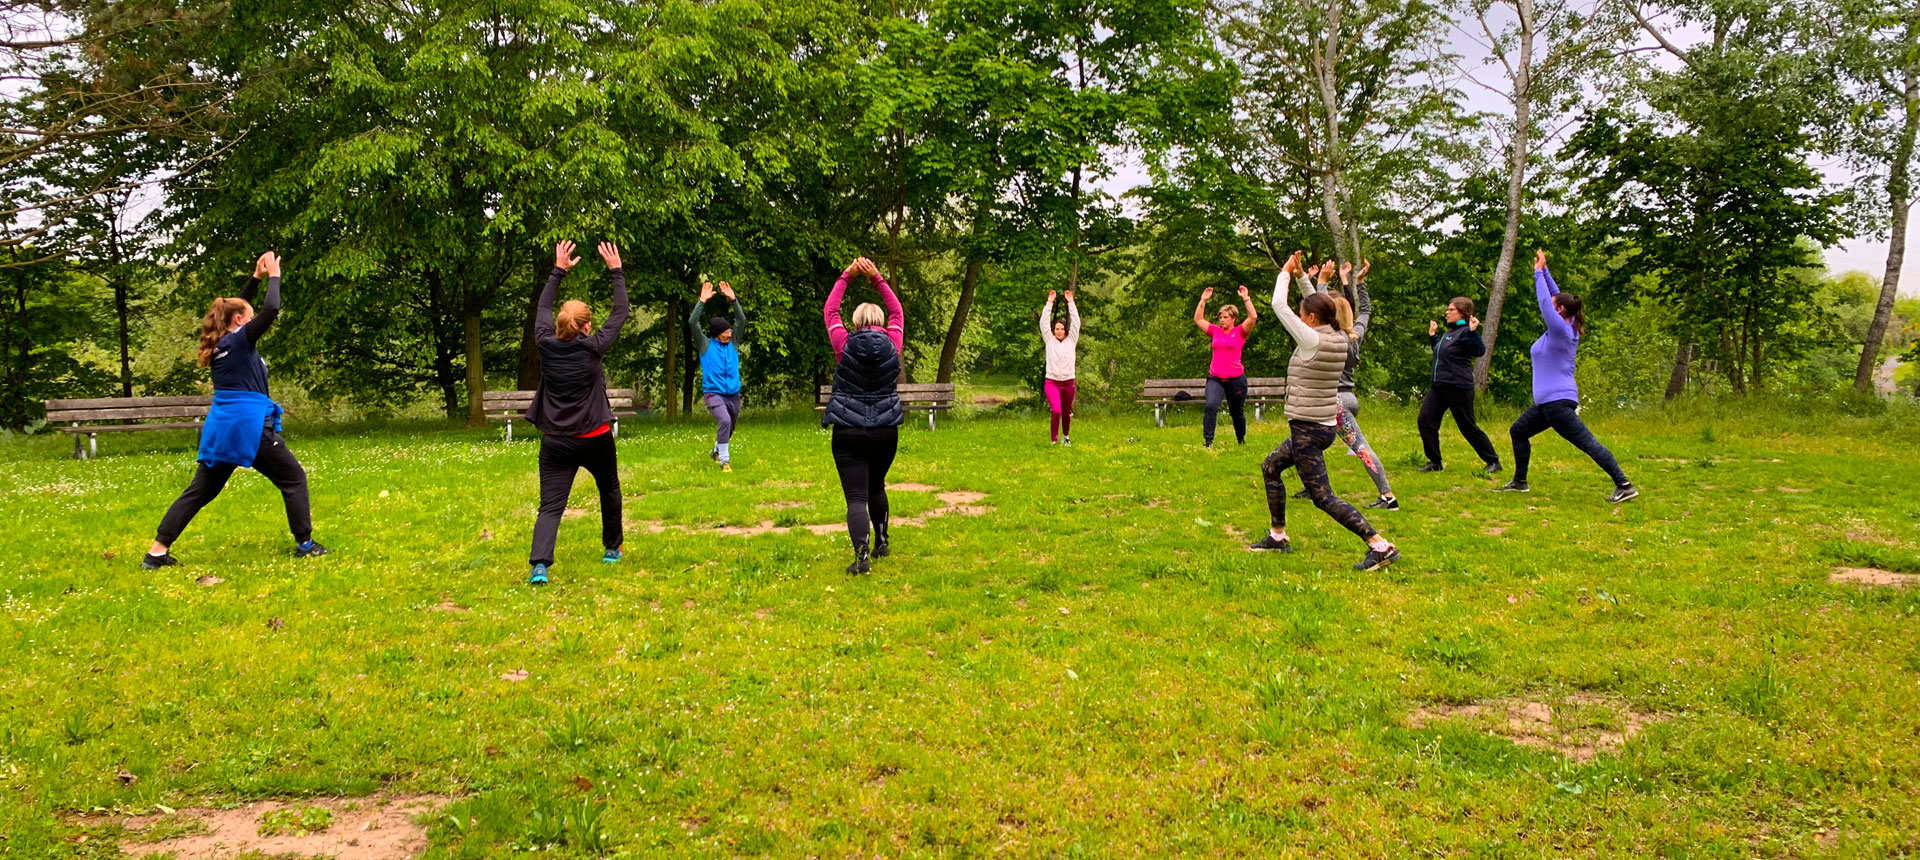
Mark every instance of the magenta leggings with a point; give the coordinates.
(1060, 403)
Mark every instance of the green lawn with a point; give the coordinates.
(1092, 667)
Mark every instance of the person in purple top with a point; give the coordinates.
(1556, 397)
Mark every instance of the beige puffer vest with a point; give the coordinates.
(1313, 381)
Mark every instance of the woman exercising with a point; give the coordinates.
(1452, 390)
(1355, 321)
(865, 411)
(720, 368)
(1313, 406)
(1062, 340)
(1226, 376)
(1556, 397)
(572, 411)
(243, 425)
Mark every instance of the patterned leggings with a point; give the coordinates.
(1357, 442)
(1305, 451)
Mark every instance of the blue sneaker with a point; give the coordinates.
(613, 555)
(539, 576)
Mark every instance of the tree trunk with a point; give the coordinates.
(528, 376)
(1326, 60)
(1682, 362)
(444, 349)
(476, 365)
(669, 378)
(1899, 194)
(1516, 193)
(687, 377)
(950, 352)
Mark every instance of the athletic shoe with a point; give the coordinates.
(1430, 467)
(1493, 468)
(539, 576)
(155, 562)
(1376, 559)
(1514, 486)
(880, 548)
(310, 549)
(726, 467)
(860, 563)
(612, 556)
(1384, 503)
(1067, 441)
(714, 453)
(1624, 493)
(1266, 543)
(1299, 495)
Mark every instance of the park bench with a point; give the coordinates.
(1262, 391)
(509, 405)
(932, 398)
(131, 414)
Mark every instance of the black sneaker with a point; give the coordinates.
(880, 549)
(1623, 493)
(310, 549)
(1385, 504)
(860, 563)
(155, 562)
(1376, 559)
(1266, 543)
(1514, 486)
(1431, 467)
(1299, 495)
(1493, 468)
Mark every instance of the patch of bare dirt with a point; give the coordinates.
(963, 503)
(573, 513)
(1794, 489)
(914, 488)
(380, 827)
(446, 604)
(782, 506)
(989, 400)
(1873, 576)
(1584, 725)
(1494, 531)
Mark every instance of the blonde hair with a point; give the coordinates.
(1343, 312)
(572, 320)
(1232, 312)
(869, 315)
(216, 324)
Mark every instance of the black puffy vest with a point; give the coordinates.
(865, 384)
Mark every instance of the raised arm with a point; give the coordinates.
(1073, 319)
(1246, 299)
(1544, 289)
(836, 327)
(1046, 320)
(896, 315)
(269, 310)
(563, 260)
(694, 329)
(1362, 309)
(739, 320)
(603, 338)
(1200, 311)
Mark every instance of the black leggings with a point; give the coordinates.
(863, 455)
(1561, 415)
(561, 458)
(274, 462)
(1441, 399)
(1234, 391)
(1305, 451)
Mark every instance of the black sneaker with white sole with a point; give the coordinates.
(1266, 543)
(1493, 468)
(155, 562)
(1514, 486)
(1385, 504)
(1376, 559)
(310, 549)
(1623, 493)
(1430, 467)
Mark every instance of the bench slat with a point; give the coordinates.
(125, 428)
(126, 402)
(135, 413)
(915, 387)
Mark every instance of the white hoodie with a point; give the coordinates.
(1060, 353)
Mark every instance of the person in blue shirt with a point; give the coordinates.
(243, 425)
(720, 368)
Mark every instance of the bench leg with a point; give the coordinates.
(930, 414)
(1159, 416)
(1260, 412)
(616, 428)
(79, 453)
(509, 429)
(93, 446)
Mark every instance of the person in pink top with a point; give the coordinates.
(865, 411)
(1226, 376)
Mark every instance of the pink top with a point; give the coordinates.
(1226, 351)
(837, 329)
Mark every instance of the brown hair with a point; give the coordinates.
(1462, 304)
(1572, 305)
(1321, 307)
(216, 324)
(572, 320)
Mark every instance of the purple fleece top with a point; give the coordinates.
(1554, 352)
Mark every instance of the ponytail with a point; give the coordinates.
(216, 324)
(1343, 313)
(1575, 316)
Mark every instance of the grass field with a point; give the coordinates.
(1090, 667)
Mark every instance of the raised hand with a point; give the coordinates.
(1539, 260)
(1069, 297)
(1051, 294)
(260, 266)
(706, 291)
(270, 263)
(1313, 272)
(611, 254)
(563, 257)
(1365, 266)
(1326, 271)
(1206, 295)
(1243, 292)
(726, 289)
(1293, 264)
(1432, 327)
(1346, 273)
(1473, 323)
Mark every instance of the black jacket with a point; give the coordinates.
(573, 386)
(1454, 349)
(866, 384)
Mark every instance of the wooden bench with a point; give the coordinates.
(143, 413)
(932, 398)
(509, 405)
(1262, 391)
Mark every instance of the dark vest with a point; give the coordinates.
(865, 384)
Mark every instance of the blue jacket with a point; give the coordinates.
(232, 432)
(719, 362)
